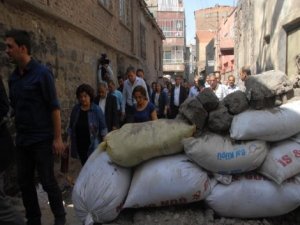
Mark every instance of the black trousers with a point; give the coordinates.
(129, 111)
(8, 215)
(38, 157)
(174, 111)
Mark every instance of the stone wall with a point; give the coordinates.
(69, 36)
(261, 33)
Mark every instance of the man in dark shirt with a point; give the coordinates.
(121, 83)
(7, 214)
(37, 118)
(178, 96)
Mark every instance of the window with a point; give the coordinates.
(292, 53)
(172, 27)
(124, 12)
(170, 5)
(174, 56)
(106, 4)
(167, 54)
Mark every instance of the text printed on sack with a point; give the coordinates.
(231, 155)
(286, 159)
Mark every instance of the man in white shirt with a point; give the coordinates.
(128, 101)
(218, 88)
(231, 85)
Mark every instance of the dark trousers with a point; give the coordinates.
(38, 156)
(174, 111)
(129, 111)
(8, 215)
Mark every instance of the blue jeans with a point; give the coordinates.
(38, 156)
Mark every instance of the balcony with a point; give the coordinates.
(170, 8)
(174, 68)
(173, 61)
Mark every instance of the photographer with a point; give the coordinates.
(105, 72)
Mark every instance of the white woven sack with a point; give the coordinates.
(253, 196)
(282, 162)
(222, 155)
(138, 142)
(169, 180)
(270, 125)
(223, 178)
(100, 189)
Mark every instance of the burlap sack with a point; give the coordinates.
(137, 142)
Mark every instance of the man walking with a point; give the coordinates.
(38, 124)
(178, 96)
(128, 101)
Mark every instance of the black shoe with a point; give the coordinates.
(60, 221)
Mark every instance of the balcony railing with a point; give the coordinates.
(170, 8)
(175, 34)
(173, 61)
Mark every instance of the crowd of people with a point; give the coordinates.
(36, 108)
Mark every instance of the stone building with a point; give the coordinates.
(70, 36)
(268, 35)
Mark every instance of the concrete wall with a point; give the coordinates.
(261, 33)
(70, 36)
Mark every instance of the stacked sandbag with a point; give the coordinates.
(138, 142)
(162, 177)
(220, 154)
(207, 112)
(236, 102)
(100, 189)
(266, 90)
(194, 112)
(282, 162)
(254, 196)
(220, 119)
(165, 181)
(208, 99)
(273, 124)
(275, 191)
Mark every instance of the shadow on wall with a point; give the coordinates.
(264, 61)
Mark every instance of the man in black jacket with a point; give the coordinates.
(178, 95)
(108, 104)
(8, 215)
